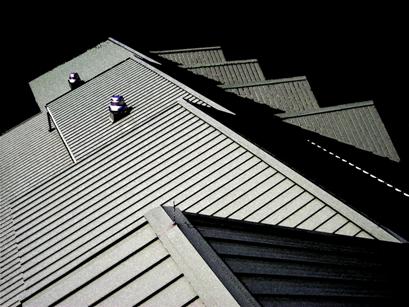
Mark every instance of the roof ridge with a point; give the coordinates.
(321, 110)
(185, 50)
(135, 53)
(264, 82)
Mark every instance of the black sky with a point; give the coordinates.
(348, 53)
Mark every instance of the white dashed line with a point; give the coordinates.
(360, 169)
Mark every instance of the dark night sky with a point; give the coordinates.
(348, 53)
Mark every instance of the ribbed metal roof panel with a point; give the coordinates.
(29, 156)
(86, 127)
(231, 72)
(89, 64)
(357, 124)
(175, 157)
(135, 270)
(165, 152)
(288, 95)
(193, 56)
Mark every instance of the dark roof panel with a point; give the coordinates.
(290, 267)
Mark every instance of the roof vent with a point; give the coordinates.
(74, 80)
(117, 108)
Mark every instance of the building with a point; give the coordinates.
(171, 204)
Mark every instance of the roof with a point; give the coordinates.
(357, 124)
(181, 156)
(288, 95)
(193, 56)
(29, 155)
(150, 265)
(231, 72)
(86, 129)
(89, 64)
(166, 152)
(282, 266)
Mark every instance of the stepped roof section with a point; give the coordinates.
(358, 124)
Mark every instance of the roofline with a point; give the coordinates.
(61, 136)
(327, 109)
(206, 283)
(222, 63)
(136, 53)
(266, 82)
(353, 215)
(186, 50)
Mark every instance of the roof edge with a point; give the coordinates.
(200, 275)
(136, 53)
(266, 82)
(185, 50)
(340, 107)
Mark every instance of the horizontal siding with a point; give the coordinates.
(361, 127)
(89, 64)
(230, 73)
(288, 96)
(191, 57)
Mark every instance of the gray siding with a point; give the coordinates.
(193, 56)
(230, 73)
(355, 124)
(288, 95)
